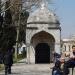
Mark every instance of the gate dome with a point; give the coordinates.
(43, 15)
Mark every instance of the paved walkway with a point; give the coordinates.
(22, 68)
(30, 69)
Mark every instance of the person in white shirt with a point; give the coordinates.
(70, 63)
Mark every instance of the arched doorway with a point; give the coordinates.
(42, 53)
(43, 44)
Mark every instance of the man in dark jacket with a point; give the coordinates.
(57, 69)
(1, 57)
(8, 61)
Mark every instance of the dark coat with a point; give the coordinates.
(8, 58)
(1, 58)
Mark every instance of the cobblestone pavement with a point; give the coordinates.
(31, 69)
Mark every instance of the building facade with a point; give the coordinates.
(68, 43)
(43, 35)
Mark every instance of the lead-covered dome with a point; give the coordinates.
(43, 15)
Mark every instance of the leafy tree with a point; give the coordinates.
(8, 36)
(8, 16)
(8, 30)
(22, 33)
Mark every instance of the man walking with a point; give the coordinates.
(8, 61)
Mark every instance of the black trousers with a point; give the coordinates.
(7, 69)
(68, 64)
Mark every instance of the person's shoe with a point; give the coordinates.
(6, 73)
(9, 72)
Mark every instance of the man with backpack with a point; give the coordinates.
(8, 61)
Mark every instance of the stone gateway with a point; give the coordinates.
(43, 35)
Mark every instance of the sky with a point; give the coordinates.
(65, 10)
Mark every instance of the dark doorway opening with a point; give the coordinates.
(42, 53)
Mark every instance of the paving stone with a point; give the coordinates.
(31, 69)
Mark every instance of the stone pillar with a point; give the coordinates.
(67, 48)
(57, 48)
(30, 54)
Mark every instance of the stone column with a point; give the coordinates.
(28, 53)
(32, 55)
(57, 48)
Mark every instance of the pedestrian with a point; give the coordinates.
(8, 61)
(56, 57)
(70, 63)
(57, 69)
(1, 57)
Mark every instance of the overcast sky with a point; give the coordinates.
(65, 9)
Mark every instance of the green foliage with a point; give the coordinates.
(8, 17)
(22, 55)
(8, 38)
(8, 32)
(25, 14)
(22, 32)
